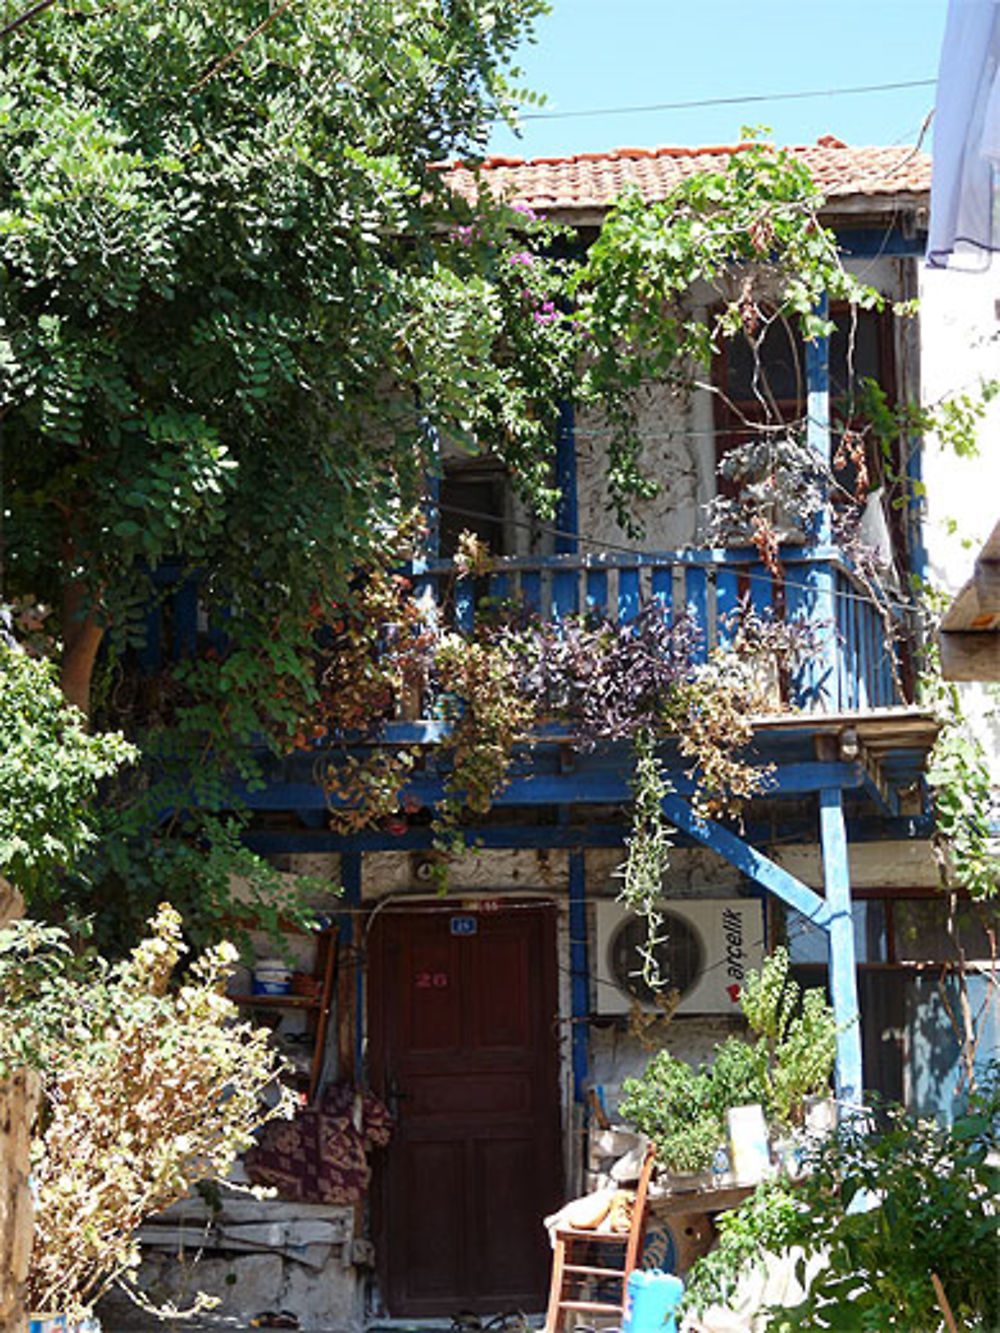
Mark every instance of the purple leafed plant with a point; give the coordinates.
(607, 680)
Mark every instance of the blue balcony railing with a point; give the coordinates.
(858, 632)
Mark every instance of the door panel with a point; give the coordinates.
(462, 1030)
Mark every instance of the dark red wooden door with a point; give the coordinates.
(462, 1027)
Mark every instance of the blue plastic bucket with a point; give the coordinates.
(651, 1301)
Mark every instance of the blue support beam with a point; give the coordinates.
(579, 973)
(565, 582)
(607, 786)
(843, 974)
(754, 864)
(832, 913)
(817, 679)
(567, 512)
(875, 242)
(350, 880)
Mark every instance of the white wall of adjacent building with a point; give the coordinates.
(960, 349)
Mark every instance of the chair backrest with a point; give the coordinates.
(637, 1230)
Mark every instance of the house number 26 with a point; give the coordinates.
(432, 980)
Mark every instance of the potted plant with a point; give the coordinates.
(147, 1090)
(683, 1109)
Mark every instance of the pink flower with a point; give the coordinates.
(522, 257)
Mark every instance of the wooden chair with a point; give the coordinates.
(601, 1259)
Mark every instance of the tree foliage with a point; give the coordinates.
(50, 769)
(238, 305)
(232, 312)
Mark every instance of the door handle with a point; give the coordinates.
(395, 1095)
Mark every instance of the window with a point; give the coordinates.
(767, 387)
(473, 497)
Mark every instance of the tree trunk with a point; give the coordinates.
(81, 639)
(18, 1103)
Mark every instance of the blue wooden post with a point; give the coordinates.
(818, 678)
(579, 984)
(843, 975)
(566, 582)
(567, 513)
(350, 880)
(696, 605)
(628, 594)
(818, 415)
(597, 591)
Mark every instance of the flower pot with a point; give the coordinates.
(62, 1323)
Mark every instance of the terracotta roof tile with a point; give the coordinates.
(589, 181)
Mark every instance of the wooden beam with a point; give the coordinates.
(754, 864)
(970, 654)
(843, 974)
(579, 973)
(350, 982)
(567, 518)
(580, 787)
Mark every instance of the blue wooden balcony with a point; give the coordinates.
(860, 634)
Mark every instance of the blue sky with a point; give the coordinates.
(603, 54)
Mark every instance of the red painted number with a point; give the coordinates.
(432, 980)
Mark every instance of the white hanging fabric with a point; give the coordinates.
(965, 182)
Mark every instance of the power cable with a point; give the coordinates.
(743, 100)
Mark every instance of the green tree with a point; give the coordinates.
(238, 305)
(49, 773)
(231, 317)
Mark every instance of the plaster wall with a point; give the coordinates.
(960, 342)
(873, 865)
(537, 871)
(672, 449)
(616, 1053)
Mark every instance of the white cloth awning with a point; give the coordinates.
(965, 183)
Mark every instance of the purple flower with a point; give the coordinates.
(529, 213)
(522, 257)
(546, 313)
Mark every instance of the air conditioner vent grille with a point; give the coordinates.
(680, 957)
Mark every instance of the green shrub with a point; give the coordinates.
(890, 1201)
(683, 1110)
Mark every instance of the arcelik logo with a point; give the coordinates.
(732, 925)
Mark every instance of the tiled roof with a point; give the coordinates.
(588, 181)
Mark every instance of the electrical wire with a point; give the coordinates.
(742, 100)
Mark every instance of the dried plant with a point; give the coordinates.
(148, 1090)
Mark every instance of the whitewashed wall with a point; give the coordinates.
(960, 344)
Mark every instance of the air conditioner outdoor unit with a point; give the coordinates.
(710, 945)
